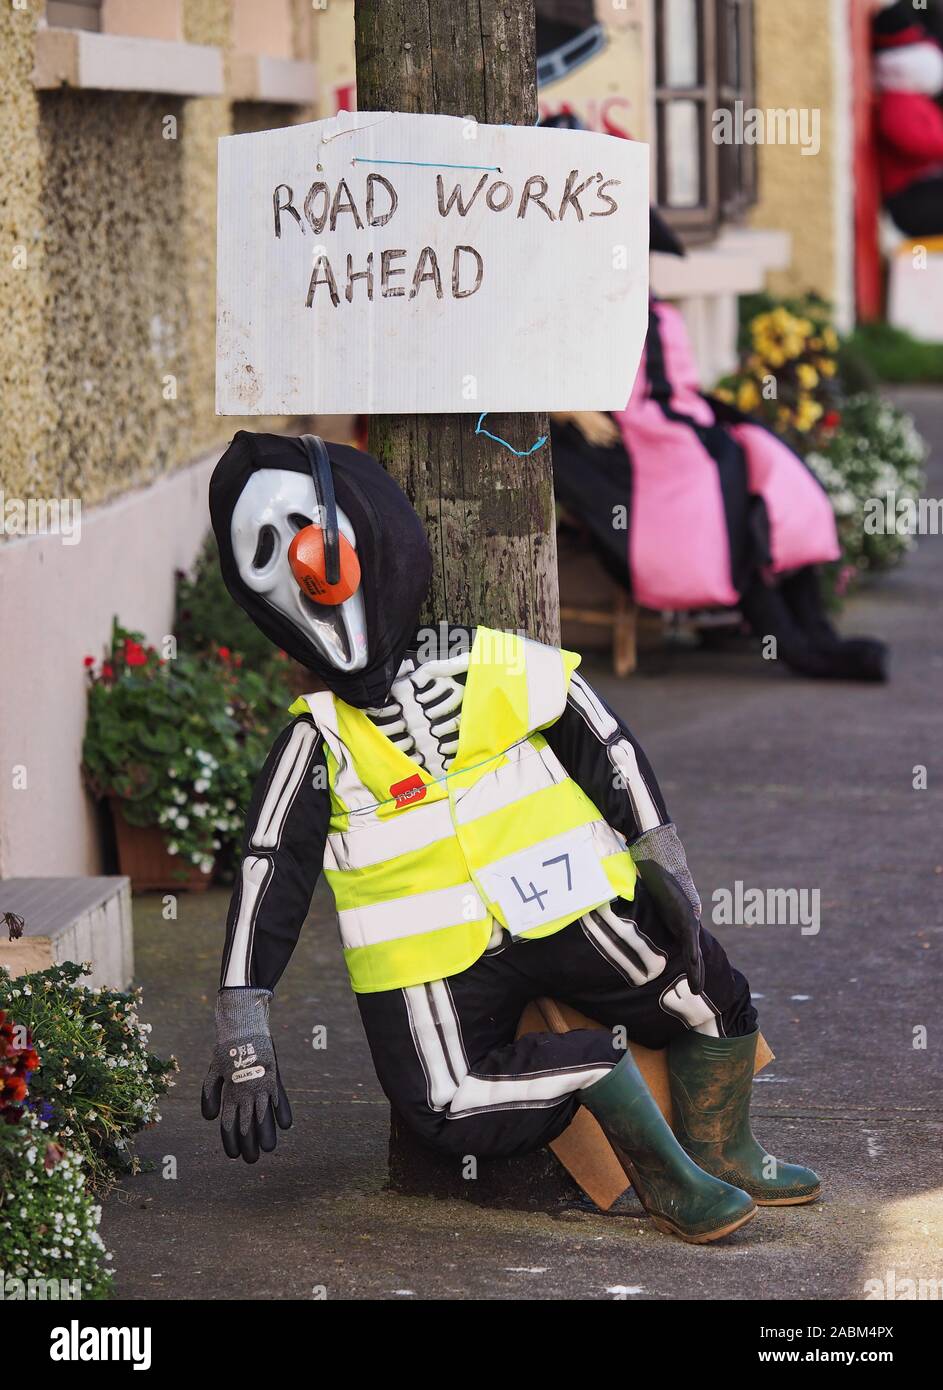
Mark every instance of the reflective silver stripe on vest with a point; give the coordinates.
(371, 840)
(444, 907)
(527, 770)
(347, 785)
(546, 684)
(413, 916)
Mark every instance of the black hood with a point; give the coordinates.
(395, 561)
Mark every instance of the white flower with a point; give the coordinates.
(201, 785)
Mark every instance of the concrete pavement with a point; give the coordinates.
(774, 781)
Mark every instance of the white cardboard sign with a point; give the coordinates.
(385, 263)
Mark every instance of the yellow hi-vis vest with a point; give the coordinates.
(422, 866)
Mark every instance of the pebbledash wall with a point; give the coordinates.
(107, 301)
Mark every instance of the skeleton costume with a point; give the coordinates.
(443, 1041)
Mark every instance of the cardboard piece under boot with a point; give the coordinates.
(583, 1148)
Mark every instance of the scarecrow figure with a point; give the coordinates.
(492, 833)
(719, 512)
(908, 76)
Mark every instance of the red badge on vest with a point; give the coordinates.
(409, 790)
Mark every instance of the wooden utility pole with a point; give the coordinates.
(489, 515)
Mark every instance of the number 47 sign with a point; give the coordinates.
(561, 877)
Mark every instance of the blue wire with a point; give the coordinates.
(430, 164)
(519, 453)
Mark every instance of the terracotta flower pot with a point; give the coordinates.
(142, 855)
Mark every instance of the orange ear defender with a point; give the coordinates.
(306, 557)
(323, 561)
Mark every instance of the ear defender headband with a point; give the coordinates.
(324, 562)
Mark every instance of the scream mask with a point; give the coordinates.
(345, 605)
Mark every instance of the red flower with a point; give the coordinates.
(88, 661)
(224, 653)
(16, 1064)
(13, 1090)
(134, 653)
(107, 670)
(832, 420)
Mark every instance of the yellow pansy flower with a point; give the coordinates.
(748, 396)
(807, 413)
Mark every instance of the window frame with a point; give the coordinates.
(720, 198)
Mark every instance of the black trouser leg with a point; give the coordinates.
(446, 1053)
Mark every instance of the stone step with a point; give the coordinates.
(70, 919)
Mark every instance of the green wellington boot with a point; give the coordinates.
(678, 1195)
(711, 1084)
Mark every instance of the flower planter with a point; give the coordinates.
(143, 857)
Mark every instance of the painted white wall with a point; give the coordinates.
(56, 606)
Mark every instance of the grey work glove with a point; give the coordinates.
(243, 1077)
(662, 866)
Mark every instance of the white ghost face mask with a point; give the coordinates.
(273, 507)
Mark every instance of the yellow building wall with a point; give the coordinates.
(795, 69)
